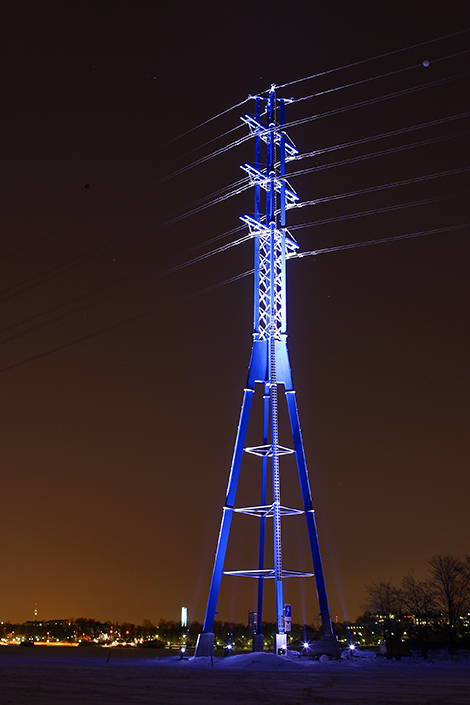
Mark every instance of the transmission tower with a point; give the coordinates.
(270, 368)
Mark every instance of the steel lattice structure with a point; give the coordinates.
(270, 366)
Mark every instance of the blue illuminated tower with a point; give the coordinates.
(270, 368)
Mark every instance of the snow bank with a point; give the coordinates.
(102, 677)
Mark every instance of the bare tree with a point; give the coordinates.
(419, 598)
(384, 600)
(467, 573)
(450, 577)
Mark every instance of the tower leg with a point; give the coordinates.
(258, 638)
(309, 513)
(203, 644)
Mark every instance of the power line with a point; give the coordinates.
(325, 250)
(190, 262)
(215, 153)
(378, 241)
(240, 186)
(239, 104)
(197, 127)
(378, 99)
(196, 207)
(20, 250)
(377, 211)
(316, 152)
(381, 153)
(135, 192)
(224, 149)
(119, 324)
(112, 295)
(373, 58)
(353, 84)
(383, 135)
(381, 187)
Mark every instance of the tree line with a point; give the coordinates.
(426, 613)
(166, 634)
(433, 610)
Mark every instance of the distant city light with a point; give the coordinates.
(184, 616)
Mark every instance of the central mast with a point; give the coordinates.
(270, 322)
(269, 365)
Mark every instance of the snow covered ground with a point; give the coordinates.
(54, 675)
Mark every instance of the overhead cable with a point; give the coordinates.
(372, 58)
(381, 187)
(387, 74)
(378, 241)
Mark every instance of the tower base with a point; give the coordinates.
(327, 646)
(205, 644)
(258, 642)
(280, 644)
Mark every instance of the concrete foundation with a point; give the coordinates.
(328, 645)
(205, 644)
(258, 642)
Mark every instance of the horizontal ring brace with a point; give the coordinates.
(267, 451)
(268, 573)
(267, 511)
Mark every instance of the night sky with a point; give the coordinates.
(121, 382)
